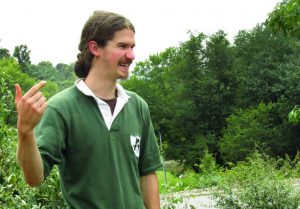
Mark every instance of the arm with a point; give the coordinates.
(30, 108)
(150, 191)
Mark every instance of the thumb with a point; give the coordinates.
(18, 94)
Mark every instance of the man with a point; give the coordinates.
(99, 134)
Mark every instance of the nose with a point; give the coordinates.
(130, 54)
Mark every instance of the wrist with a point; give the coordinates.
(25, 134)
(24, 129)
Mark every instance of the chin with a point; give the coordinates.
(123, 77)
(123, 74)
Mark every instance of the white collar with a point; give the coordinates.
(122, 99)
(81, 85)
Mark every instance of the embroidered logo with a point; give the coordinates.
(136, 144)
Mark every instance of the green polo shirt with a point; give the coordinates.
(99, 167)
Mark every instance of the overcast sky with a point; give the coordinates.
(51, 29)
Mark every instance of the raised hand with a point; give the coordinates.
(30, 107)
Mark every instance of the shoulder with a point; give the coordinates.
(65, 97)
(134, 97)
(137, 103)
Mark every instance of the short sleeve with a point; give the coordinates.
(150, 159)
(50, 138)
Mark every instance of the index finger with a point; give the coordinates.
(35, 89)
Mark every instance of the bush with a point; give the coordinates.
(174, 167)
(210, 171)
(188, 180)
(263, 127)
(256, 184)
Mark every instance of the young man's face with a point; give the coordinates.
(118, 54)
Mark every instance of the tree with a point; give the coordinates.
(11, 74)
(45, 71)
(4, 53)
(262, 128)
(285, 18)
(259, 55)
(193, 88)
(189, 90)
(222, 79)
(22, 54)
(65, 75)
(155, 81)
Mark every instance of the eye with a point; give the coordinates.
(122, 46)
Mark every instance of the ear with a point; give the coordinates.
(94, 49)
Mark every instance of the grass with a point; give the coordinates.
(189, 180)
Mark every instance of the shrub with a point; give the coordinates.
(256, 184)
(210, 171)
(186, 181)
(174, 167)
(263, 127)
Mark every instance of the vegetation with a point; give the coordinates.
(285, 18)
(228, 114)
(258, 183)
(223, 97)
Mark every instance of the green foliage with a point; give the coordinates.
(63, 74)
(172, 198)
(260, 128)
(4, 53)
(11, 73)
(210, 172)
(208, 163)
(194, 88)
(219, 82)
(174, 167)
(175, 200)
(257, 184)
(22, 54)
(289, 168)
(285, 18)
(187, 180)
(198, 75)
(6, 105)
(294, 115)
(259, 55)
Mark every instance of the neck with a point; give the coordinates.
(101, 87)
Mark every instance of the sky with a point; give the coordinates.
(52, 29)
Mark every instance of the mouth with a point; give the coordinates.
(127, 64)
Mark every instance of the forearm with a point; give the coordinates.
(150, 191)
(29, 159)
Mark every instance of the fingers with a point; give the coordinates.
(39, 102)
(35, 89)
(36, 97)
(32, 100)
(30, 107)
(43, 107)
(18, 94)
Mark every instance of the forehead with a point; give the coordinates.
(124, 36)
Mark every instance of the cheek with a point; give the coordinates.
(116, 56)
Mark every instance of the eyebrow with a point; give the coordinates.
(126, 44)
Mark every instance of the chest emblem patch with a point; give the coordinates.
(136, 144)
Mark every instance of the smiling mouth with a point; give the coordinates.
(125, 64)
